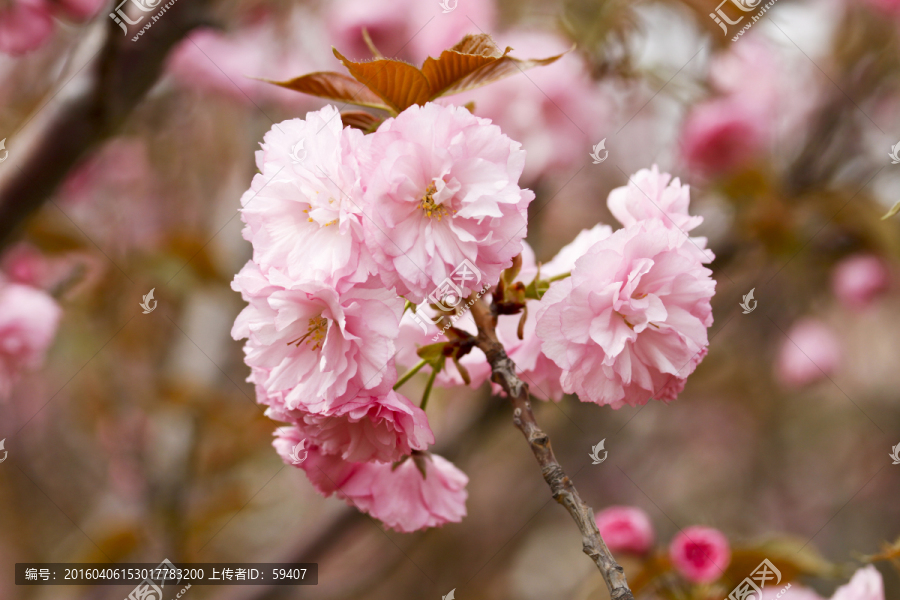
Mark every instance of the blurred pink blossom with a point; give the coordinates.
(92, 193)
(701, 554)
(730, 130)
(891, 7)
(23, 263)
(630, 323)
(859, 279)
(26, 24)
(442, 187)
(80, 10)
(28, 322)
(626, 529)
(557, 111)
(381, 428)
(264, 46)
(720, 135)
(401, 498)
(866, 584)
(811, 352)
(411, 30)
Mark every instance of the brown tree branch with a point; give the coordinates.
(503, 372)
(122, 74)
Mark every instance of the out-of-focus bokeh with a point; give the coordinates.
(137, 437)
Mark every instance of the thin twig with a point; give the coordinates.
(503, 372)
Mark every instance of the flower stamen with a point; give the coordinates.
(318, 327)
(428, 205)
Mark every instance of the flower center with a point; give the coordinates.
(329, 208)
(315, 333)
(428, 205)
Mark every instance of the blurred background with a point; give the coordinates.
(134, 437)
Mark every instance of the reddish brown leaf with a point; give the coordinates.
(480, 44)
(360, 120)
(452, 66)
(399, 84)
(334, 86)
(489, 71)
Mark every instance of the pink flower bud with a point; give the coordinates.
(859, 279)
(701, 554)
(626, 529)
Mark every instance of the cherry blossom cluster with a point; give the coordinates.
(350, 232)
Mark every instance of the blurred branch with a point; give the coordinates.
(123, 73)
(504, 373)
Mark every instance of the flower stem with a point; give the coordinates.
(408, 375)
(428, 387)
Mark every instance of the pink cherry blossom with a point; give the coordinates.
(24, 26)
(442, 187)
(321, 347)
(412, 30)
(303, 211)
(631, 321)
(700, 554)
(625, 528)
(28, 321)
(859, 279)
(557, 111)
(866, 584)
(381, 428)
(811, 352)
(401, 498)
(540, 373)
(653, 195)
